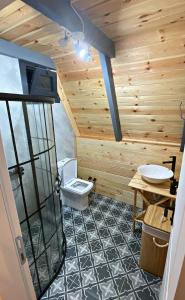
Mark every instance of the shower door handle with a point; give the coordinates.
(21, 249)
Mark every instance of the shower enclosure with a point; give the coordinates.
(26, 124)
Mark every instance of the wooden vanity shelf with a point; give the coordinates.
(141, 187)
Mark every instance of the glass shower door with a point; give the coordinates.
(31, 156)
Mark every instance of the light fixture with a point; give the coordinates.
(85, 55)
(82, 49)
(64, 41)
(78, 36)
(82, 53)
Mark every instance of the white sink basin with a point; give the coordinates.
(155, 173)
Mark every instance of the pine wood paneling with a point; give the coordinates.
(149, 67)
(149, 76)
(114, 164)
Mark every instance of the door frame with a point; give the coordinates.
(176, 249)
(15, 278)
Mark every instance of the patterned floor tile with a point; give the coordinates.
(130, 264)
(92, 293)
(111, 254)
(104, 232)
(57, 297)
(118, 240)
(81, 238)
(156, 288)
(97, 216)
(123, 285)
(137, 279)
(57, 287)
(85, 262)
(69, 231)
(71, 241)
(88, 277)
(130, 296)
(110, 221)
(124, 251)
(114, 230)
(78, 220)
(108, 215)
(90, 226)
(101, 224)
(73, 282)
(145, 294)
(123, 227)
(108, 289)
(134, 247)
(71, 266)
(102, 256)
(151, 279)
(79, 229)
(93, 235)
(108, 242)
(99, 258)
(96, 245)
(103, 272)
(77, 295)
(116, 268)
(83, 249)
(71, 252)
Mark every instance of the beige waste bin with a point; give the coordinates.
(154, 243)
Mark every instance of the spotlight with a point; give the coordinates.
(83, 53)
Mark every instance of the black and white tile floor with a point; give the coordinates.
(102, 256)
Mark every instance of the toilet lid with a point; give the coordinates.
(67, 169)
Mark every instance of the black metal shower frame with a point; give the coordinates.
(37, 100)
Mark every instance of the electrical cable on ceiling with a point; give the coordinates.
(79, 16)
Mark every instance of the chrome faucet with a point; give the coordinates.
(173, 162)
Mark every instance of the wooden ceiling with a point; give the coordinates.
(149, 68)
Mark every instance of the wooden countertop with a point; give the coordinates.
(154, 218)
(162, 189)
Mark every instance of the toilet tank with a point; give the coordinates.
(67, 169)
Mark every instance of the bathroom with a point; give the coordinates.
(81, 129)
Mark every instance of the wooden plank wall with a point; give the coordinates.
(149, 75)
(114, 164)
(149, 70)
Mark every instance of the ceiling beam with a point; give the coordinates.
(10, 49)
(111, 95)
(61, 12)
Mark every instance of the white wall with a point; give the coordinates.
(64, 134)
(10, 78)
(10, 82)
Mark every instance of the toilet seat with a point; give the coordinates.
(74, 191)
(78, 186)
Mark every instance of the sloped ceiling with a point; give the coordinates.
(149, 68)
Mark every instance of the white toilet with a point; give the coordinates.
(74, 191)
